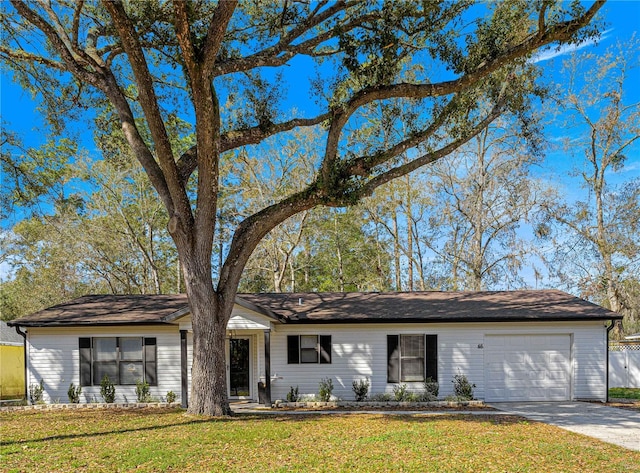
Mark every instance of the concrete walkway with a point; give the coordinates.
(609, 424)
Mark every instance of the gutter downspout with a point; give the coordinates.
(609, 329)
(24, 354)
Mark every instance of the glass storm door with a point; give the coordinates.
(239, 368)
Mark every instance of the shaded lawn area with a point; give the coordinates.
(625, 393)
(169, 440)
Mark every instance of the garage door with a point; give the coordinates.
(527, 367)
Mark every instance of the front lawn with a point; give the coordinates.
(624, 393)
(168, 440)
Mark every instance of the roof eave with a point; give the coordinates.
(454, 320)
(86, 324)
(177, 314)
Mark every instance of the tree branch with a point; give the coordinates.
(149, 103)
(399, 171)
(183, 34)
(57, 42)
(251, 230)
(215, 34)
(280, 53)
(235, 139)
(21, 55)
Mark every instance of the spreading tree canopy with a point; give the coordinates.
(224, 66)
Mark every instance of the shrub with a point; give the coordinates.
(381, 397)
(74, 393)
(36, 392)
(462, 388)
(361, 389)
(142, 391)
(400, 392)
(292, 395)
(325, 389)
(431, 390)
(107, 390)
(171, 397)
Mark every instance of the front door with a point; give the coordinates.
(239, 368)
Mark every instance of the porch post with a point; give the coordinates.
(267, 367)
(184, 377)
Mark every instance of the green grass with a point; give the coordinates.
(625, 393)
(169, 440)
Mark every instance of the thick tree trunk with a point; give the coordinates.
(210, 313)
(208, 374)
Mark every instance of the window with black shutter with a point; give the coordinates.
(308, 349)
(412, 358)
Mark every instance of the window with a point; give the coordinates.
(308, 349)
(126, 360)
(412, 358)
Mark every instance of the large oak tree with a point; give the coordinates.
(213, 63)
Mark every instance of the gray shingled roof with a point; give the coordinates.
(487, 306)
(109, 310)
(431, 306)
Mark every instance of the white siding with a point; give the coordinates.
(359, 351)
(54, 359)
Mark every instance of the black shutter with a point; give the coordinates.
(150, 362)
(431, 355)
(393, 358)
(84, 345)
(293, 349)
(325, 349)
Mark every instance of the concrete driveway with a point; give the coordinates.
(609, 424)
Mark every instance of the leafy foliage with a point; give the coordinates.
(293, 394)
(36, 392)
(73, 393)
(431, 389)
(325, 389)
(107, 390)
(400, 392)
(33, 177)
(142, 391)
(462, 388)
(361, 389)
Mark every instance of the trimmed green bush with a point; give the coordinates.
(361, 389)
(293, 394)
(325, 389)
(74, 393)
(107, 390)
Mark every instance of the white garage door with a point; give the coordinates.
(527, 367)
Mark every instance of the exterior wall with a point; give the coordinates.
(53, 357)
(359, 351)
(11, 372)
